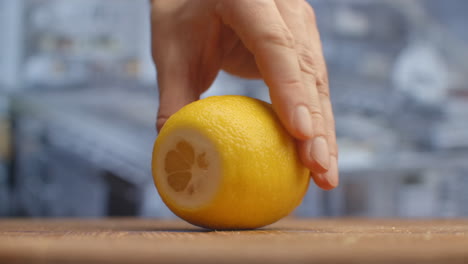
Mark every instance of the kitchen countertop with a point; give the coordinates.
(290, 240)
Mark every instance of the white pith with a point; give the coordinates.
(205, 182)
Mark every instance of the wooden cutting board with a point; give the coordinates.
(288, 241)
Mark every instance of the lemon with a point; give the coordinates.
(226, 162)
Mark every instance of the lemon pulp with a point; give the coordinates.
(190, 166)
(226, 162)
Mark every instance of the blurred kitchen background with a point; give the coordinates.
(78, 100)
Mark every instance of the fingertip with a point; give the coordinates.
(330, 179)
(314, 154)
(172, 98)
(320, 153)
(322, 182)
(160, 121)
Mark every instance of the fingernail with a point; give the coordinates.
(319, 152)
(303, 121)
(332, 174)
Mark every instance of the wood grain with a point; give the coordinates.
(288, 241)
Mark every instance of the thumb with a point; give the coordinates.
(175, 87)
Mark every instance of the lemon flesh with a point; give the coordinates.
(226, 162)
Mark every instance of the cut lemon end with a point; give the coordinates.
(187, 169)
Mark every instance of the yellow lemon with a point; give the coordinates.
(226, 162)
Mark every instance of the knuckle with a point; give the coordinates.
(278, 35)
(307, 60)
(323, 84)
(311, 66)
(291, 83)
(316, 113)
(322, 91)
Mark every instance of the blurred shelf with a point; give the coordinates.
(401, 162)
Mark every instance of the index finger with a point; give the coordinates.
(263, 31)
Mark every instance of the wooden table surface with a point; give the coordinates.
(288, 241)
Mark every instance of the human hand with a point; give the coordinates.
(276, 40)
